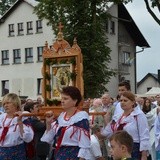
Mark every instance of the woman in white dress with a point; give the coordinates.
(69, 133)
(13, 132)
(134, 122)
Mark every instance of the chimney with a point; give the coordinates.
(159, 76)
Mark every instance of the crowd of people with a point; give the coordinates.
(126, 128)
(139, 116)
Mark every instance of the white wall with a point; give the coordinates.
(23, 76)
(117, 51)
(113, 44)
(148, 83)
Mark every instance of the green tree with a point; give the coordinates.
(5, 5)
(150, 5)
(85, 19)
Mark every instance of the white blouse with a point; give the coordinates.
(13, 136)
(136, 126)
(157, 132)
(74, 136)
(95, 148)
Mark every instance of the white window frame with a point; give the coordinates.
(5, 87)
(5, 57)
(11, 30)
(28, 55)
(20, 29)
(39, 54)
(126, 57)
(16, 56)
(30, 27)
(39, 27)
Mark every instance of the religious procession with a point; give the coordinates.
(113, 129)
(48, 111)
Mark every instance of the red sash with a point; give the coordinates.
(59, 140)
(5, 129)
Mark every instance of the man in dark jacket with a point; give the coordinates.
(41, 148)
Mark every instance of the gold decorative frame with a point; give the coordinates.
(61, 57)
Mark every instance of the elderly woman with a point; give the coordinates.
(69, 133)
(134, 121)
(13, 133)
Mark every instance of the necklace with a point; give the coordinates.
(67, 119)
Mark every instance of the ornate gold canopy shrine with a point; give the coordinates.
(62, 66)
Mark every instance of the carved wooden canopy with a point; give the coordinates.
(62, 66)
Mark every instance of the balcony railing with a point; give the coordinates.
(123, 69)
(123, 40)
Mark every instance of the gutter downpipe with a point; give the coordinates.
(135, 64)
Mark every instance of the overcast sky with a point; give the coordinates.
(149, 60)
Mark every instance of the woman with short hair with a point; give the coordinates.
(13, 132)
(69, 133)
